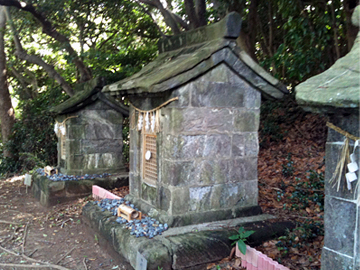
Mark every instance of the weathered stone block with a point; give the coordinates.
(252, 98)
(73, 147)
(76, 132)
(332, 260)
(244, 169)
(238, 145)
(114, 117)
(56, 186)
(182, 147)
(246, 120)
(180, 198)
(164, 198)
(134, 161)
(214, 171)
(149, 194)
(75, 162)
(347, 122)
(134, 184)
(100, 131)
(340, 223)
(193, 249)
(217, 95)
(217, 146)
(251, 144)
(156, 255)
(183, 93)
(179, 173)
(200, 198)
(200, 120)
(231, 195)
(101, 146)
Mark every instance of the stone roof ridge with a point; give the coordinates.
(86, 94)
(175, 67)
(337, 88)
(229, 28)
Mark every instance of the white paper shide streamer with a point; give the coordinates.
(59, 129)
(147, 121)
(352, 167)
(153, 121)
(140, 122)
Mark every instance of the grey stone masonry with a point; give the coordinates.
(207, 152)
(201, 165)
(93, 141)
(342, 223)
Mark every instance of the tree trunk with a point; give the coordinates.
(7, 114)
(351, 30)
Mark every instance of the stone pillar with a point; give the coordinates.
(342, 211)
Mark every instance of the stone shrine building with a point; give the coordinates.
(194, 127)
(336, 93)
(89, 130)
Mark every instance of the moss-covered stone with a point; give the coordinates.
(50, 192)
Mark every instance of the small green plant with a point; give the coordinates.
(160, 268)
(240, 239)
(288, 168)
(218, 267)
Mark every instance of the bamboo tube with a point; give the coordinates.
(128, 213)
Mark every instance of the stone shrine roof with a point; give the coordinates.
(339, 86)
(187, 56)
(86, 94)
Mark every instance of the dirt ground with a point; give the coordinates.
(31, 234)
(35, 236)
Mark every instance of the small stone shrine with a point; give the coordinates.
(89, 130)
(194, 120)
(336, 92)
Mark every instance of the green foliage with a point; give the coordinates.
(301, 39)
(33, 142)
(270, 130)
(240, 239)
(288, 168)
(300, 237)
(311, 190)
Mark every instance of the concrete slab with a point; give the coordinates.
(188, 247)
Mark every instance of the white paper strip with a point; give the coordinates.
(27, 180)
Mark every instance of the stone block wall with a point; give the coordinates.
(93, 141)
(207, 151)
(342, 211)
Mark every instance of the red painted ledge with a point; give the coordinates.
(255, 260)
(99, 193)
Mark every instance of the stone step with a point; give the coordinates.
(188, 247)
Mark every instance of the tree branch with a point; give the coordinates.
(201, 11)
(152, 18)
(50, 30)
(167, 14)
(190, 11)
(20, 53)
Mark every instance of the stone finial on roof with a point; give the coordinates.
(337, 88)
(191, 54)
(229, 27)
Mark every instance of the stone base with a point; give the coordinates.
(188, 247)
(50, 192)
(195, 217)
